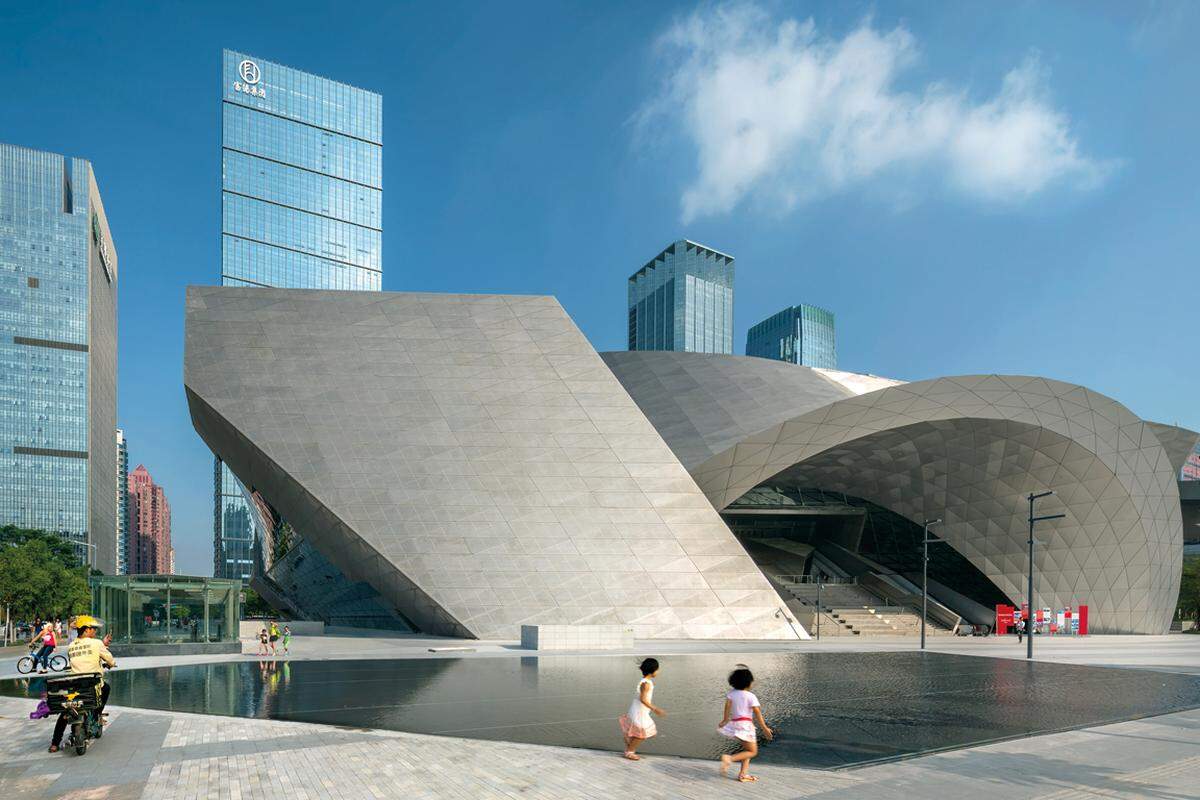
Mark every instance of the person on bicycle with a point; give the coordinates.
(86, 653)
(44, 641)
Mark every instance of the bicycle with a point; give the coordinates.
(25, 665)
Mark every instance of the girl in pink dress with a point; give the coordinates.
(741, 712)
(636, 724)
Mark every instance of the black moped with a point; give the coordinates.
(77, 698)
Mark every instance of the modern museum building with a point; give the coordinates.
(465, 464)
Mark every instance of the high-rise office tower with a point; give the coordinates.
(58, 353)
(150, 526)
(122, 503)
(800, 334)
(682, 300)
(301, 207)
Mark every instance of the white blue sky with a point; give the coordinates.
(970, 187)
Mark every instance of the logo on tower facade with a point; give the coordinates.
(249, 72)
(250, 76)
(101, 246)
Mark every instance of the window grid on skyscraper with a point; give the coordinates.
(683, 300)
(57, 353)
(801, 334)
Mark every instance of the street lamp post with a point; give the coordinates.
(92, 560)
(925, 575)
(1029, 593)
(818, 605)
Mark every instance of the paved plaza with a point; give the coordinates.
(153, 754)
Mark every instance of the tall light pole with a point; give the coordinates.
(925, 575)
(818, 605)
(1029, 594)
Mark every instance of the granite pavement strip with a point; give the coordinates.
(156, 754)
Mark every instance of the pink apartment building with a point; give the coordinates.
(149, 548)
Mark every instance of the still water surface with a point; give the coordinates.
(829, 710)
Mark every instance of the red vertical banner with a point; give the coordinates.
(1004, 618)
(1083, 620)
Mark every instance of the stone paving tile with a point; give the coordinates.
(153, 755)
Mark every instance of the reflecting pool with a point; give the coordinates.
(829, 710)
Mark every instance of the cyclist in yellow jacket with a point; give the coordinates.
(86, 654)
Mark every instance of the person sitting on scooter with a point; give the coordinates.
(86, 654)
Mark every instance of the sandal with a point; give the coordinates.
(632, 756)
(53, 748)
(747, 778)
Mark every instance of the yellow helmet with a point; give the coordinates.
(87, 621)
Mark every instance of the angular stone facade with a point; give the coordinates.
(471, 457)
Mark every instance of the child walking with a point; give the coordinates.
(287, 638)
(741, 712)
(637, 725)
(262, 642)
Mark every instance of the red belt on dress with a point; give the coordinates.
(741, 719)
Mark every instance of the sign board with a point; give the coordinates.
(1063, 621)
(101, 246)
(250, 75)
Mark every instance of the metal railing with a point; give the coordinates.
(898, 597)
(811, 580)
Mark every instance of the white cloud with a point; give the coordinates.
(778, 112)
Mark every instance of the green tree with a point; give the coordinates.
(255, 605)
(41, 575)
(60, 547)
(1189, 591)
(285, 536)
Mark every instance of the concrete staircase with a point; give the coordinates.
(849, 610)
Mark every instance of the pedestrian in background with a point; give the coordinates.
(1020, 626)
(44, 642)
(287, 638)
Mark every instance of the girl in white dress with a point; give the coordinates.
(741, 712)
(637, 724)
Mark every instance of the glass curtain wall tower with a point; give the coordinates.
(58, 353)
(801, 334)
(122, 503)
(301, 207)
(682, 300)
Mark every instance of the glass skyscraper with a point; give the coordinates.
(801, 334)
(122, 503)
(301, 207)
(682, 300)
(58, 353)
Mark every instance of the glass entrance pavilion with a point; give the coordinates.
(167, 609)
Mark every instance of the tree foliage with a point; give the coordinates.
(1189, 591)
(40, 574)
(285, 536)
(255, 605)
